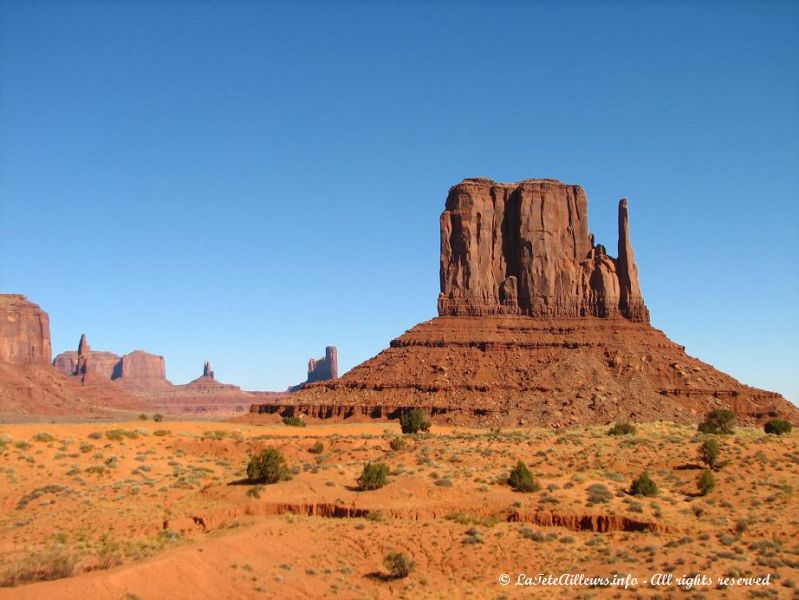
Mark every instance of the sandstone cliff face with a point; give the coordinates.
(525, 249)
(142, 365)
(24, 331)
(101, 365)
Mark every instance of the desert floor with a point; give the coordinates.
(112, 505)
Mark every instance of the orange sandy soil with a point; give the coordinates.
(446, 506)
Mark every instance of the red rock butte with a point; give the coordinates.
(537, 325)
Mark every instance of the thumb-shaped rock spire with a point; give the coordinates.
(631, 302)
(84, 352)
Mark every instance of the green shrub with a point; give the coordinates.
(644, 486)
(43, 437)
(268, 466)
(706, 482)
(317, 448)
(158, 417)
(521, 479)
(709, 453)
(293, 421)
(414, 421)
(622, 429)
(373, 476)
(398, 565)
(719, 420)
(778, 427)
(397, 444)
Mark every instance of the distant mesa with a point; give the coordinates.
(138, 369)
(537, 325)
(28, 382)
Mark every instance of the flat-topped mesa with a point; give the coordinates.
(525, 249)
(322, 369)
(24, 332)
(141, 365)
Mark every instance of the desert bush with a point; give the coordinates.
(317, 448)
(109, 553)
(117, 435)
(598, 493)
(50, 488)
(161, 432)
(622, 429)
(397, 443)
(778, 427)
(373, 476)
(293, 421)
(158, 417)
(414, 421)
(398, 565)
(142, 417)
(95, 435)
(644, 486)
(706, 482)
(521, 479)
(719, 420)
(268, 466)
(55, 562)
(43, 437)
(709, 453)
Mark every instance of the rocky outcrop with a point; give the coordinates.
(100, 366)
(139, 368)
(84, 353)
(322, 369)
(142, 367)
(525, 249)
(538, 326)
(24, 332)
(28, 382)
(207, 370)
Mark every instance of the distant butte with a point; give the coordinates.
(28, 382)
(537, 325)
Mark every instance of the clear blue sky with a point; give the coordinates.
(248, 182)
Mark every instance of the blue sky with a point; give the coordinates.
(248, 182)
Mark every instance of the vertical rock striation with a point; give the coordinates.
(24, 332)
(525, 249)
(84, 352)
